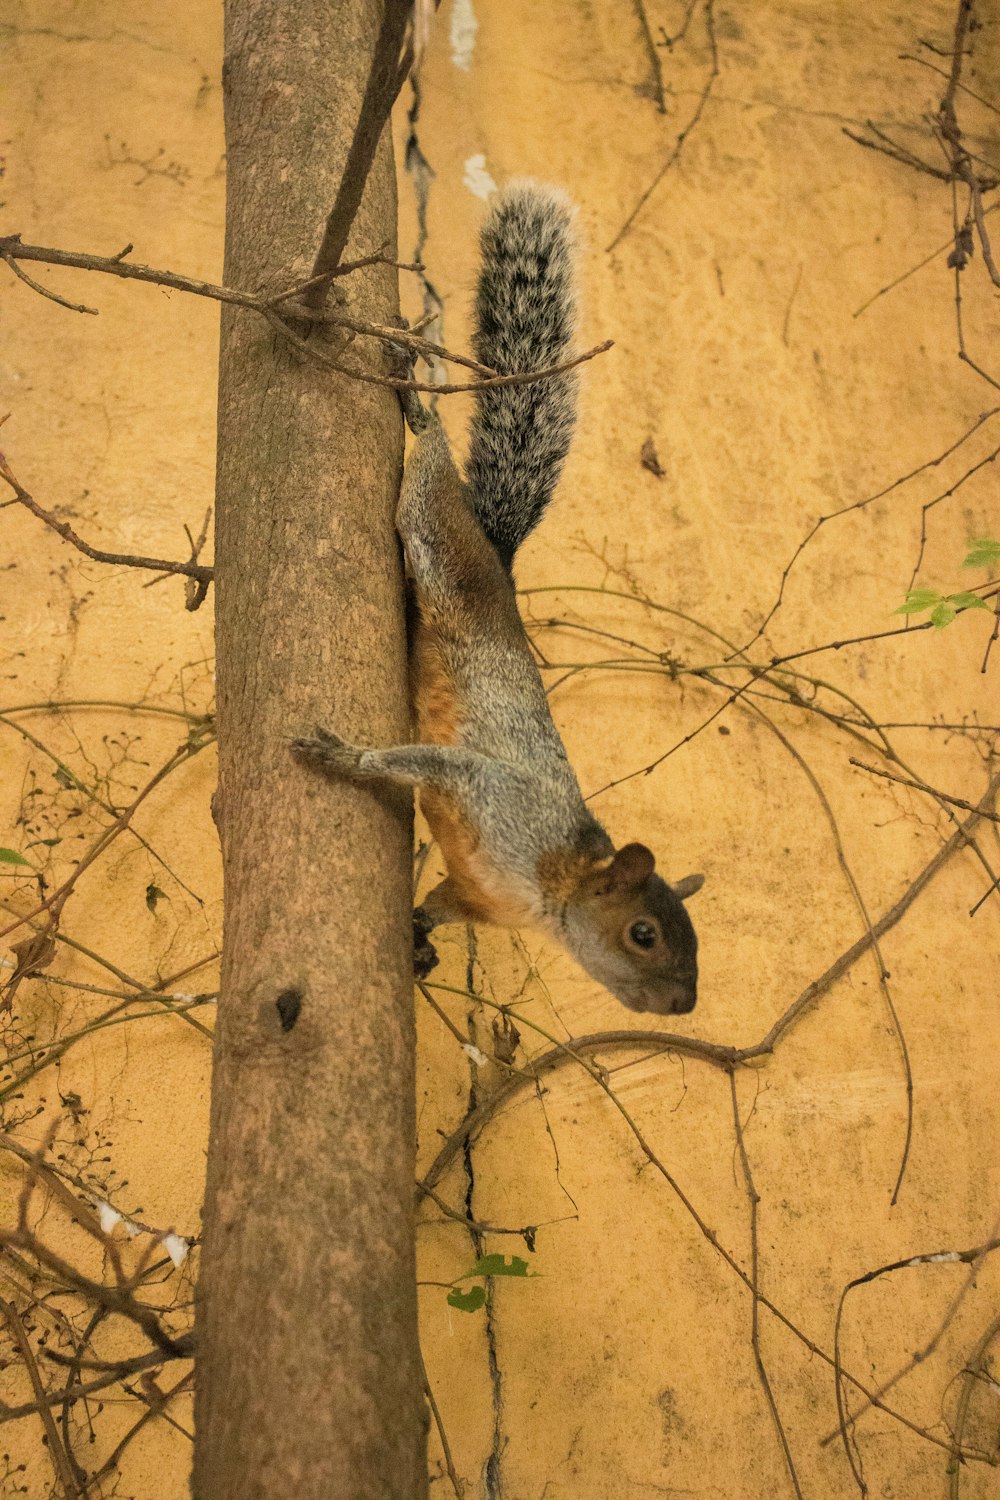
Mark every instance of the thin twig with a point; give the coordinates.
(959, 839)
(972, 1258)
(679, 142)
(931, 463)
(43, 291)
(117, 1371)
(921, 786)
(385, 79)
(154, 1408)
(449, 1464)
(523, 377)
(964, 87)
(887, 147)
(577, 1049)
(191, 569)
(527, 1232)
(656, 66)
(945, 495)
(54, 903)
(61, 1461)
(379, 258)
(117, 1299)
(973, 1368)
(881, 970)
(754, 1200)
(264, 306)
(404, 336)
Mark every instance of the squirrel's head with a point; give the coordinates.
(630, 931)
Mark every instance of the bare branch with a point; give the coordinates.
(679, 142)
(61, 1460)
(43, 291)
(888, 147)
(525, 377)
(754, 1199)
(449, 1463)
(115, 1372)
(379, 258)
(54, 903)
(401, 335)
(654, 57)
(931, 463)
(194, 570)
(973, 1257)
(974, 1368)
(921, 786)
(12, 247)
(578, 1050)
(385, 79)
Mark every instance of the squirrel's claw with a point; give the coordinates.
(425, 956)
(329, 738)
(328, 751)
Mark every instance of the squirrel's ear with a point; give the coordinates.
(631, 867)
(688, 886)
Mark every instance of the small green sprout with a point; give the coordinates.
(983, 552)
(486, 1265)
(11, 857)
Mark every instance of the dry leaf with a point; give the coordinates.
(650, 459)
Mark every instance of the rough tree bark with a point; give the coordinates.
(309, 1375)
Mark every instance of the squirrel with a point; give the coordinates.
(495, 784)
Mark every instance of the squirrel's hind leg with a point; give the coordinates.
(425, 955)
(443, 904)
(450, 558)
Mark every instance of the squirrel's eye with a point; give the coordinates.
(643, 934)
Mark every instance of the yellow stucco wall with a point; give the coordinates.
(625, 1369)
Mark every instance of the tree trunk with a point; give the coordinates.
(309, 1375)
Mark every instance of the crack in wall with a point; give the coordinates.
(492, 1476)
(422, 174)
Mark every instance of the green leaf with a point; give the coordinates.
(496, 1265)
(984, 551)
(11, 857)
(965, 600)
(943, 615)
(470, 1301)
(917, 600)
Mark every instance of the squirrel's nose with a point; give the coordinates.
(687, 985)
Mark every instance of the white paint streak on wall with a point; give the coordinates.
(462, 33)
(477, 179)
(107, 1216)
(176, 1247)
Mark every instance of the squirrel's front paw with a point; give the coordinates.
(328, 751)
(425, 956)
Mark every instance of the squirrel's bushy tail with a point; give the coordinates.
(525, 315)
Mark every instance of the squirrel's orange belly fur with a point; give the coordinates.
(434, 698)
(486, 891)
